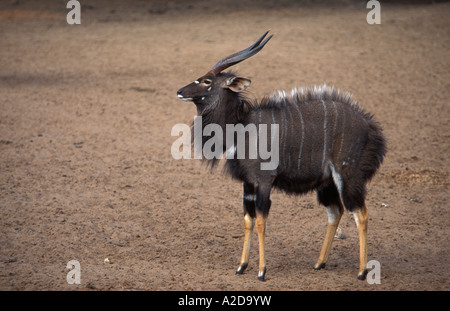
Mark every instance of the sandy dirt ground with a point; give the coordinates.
(86, 171)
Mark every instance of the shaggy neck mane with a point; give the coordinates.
(230, 109)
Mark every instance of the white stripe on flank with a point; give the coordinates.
(303, 136)
(273, 118)
(292, 133)
(283, 136)
(324, 133)
(342, 132)
(334, 126)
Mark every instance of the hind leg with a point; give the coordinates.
(329, 197)
(362, 218)
(353, 196)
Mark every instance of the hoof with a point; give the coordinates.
(262, 275)
(362, 275)
(319, 266)
(241, 268)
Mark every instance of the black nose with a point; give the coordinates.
(179, 92)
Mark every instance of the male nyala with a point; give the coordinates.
(326, 142)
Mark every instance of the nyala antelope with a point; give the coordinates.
(326, 142)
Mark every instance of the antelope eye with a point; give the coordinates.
(207, 81)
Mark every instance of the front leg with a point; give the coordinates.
(261, 229)
(262, 207)
(249, 199)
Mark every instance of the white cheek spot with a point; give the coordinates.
(209, 89)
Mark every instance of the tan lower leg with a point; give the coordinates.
(334, 216)
(261, 229)
(249, 224)
(362, 219)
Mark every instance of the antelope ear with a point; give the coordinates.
(238, 84)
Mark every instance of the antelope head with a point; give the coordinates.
(215, 84)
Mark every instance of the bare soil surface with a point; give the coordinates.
(86, 171)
